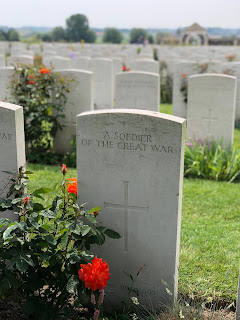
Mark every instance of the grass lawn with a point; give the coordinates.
(210, 231)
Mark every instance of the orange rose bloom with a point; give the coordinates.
(72, 185)
(44, 70)
(94, 275)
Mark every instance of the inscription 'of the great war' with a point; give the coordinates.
(127, 141)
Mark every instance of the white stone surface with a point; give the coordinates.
(5, 74)
(145, 65)
(233, 69)
(103, 83)
(82, 63)
(130, 163)
(137, 90)
(57, 62)
(80, 99)
(211, 107)
(12, 146)
(238, 301)
(18, 59)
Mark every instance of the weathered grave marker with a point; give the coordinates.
(137, 90)
(211, 107)
(130, 163)
(80, 99)
(12, 146)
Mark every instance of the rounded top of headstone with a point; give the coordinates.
(212, 76)
(9, 106)
(153, 114)
(138, 73)
(74, 70)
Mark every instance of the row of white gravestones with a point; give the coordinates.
(182, 71)
(137, 90)
(211, 107)
(12, 146)
(80, 99)
(130, 163)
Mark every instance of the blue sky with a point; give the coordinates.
(122, 13)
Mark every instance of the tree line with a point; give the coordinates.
(78, 29)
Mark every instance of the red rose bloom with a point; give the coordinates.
(184, 75)
(26, 200)
(44, 70)
(64, 169)
(72, 185)
(94, 275)
(30, 82)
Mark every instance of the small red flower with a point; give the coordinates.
(95, 213)
(72, 185)
(124, 68)
(95, 275)
(30, 82)
(31, 76)
(184, 75)
(44, 71)
(26, 200)
(64, 169)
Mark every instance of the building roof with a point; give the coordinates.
(195, 27)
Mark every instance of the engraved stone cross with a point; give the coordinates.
(209, 119)
(126, 207)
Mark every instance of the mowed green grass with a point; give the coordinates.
(210, 231)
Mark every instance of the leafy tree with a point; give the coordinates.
(150, 39)
(78, 28)
(13, 35)
(112, 35)
(58, 34)
(160, 36)
(91, 36)
(137, 35)
(46, 37)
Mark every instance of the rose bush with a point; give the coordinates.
(43, 94)
(41, 252)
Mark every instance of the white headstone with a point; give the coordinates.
(5, 75)
(145, 65)
(82, 63)
(12, 146)
(137, 90)
(182, 72)
(80, 99)
(103, 82)
(130, 163)
(211, 107)
(18, 59)
(57, 62)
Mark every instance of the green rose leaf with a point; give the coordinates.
(85, 230)
(112, 234)
(72, 284)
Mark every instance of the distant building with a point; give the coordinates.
(195, 35)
